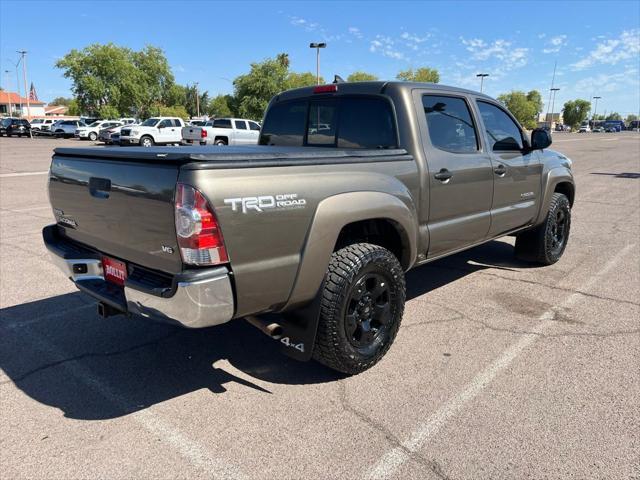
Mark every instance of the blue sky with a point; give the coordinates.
(596, 44)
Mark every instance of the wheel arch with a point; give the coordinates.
(382, 218)
(559, 179)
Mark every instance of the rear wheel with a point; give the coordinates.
(146, 141)
(361, 308)
(546, 243)
(220, 141)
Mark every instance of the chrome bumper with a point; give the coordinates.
(199, 303)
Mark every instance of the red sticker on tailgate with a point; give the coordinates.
(115, 271)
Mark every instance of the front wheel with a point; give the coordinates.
(361, 308)
(146, 141)
(93, 136)
(546, 243)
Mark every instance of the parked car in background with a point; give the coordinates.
(92, 131)
(127, 120)
(614, 125)
(42, 124)
(66, 128)
(153, 131)
(634, 125)
(89, 120)
(223, 131)
(584, 128)
(106, 135)
(598, 129)
(15, 126)
(196, 123)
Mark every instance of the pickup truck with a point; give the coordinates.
(222, 131)
(153, 131)
(309, 234)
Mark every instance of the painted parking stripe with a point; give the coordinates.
(393, 459)
(22, 174)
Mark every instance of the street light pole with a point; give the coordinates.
(318, 46)
(595, 109)
(6, 73)
(23, 54)
(553, 101)
(197, 101)
(482, 75)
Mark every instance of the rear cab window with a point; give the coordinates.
(356, 121)
(450, 124)
(222, 123)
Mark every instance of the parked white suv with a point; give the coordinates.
(42, 124)
(156, 130)
(223, 131)
(584, 128)
(66, 128)
(92, 131)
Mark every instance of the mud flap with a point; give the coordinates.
(300, 328)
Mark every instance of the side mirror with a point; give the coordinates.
(540, 139)
(160, 126)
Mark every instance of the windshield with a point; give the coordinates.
(95, 124)
(37, 120)
(150, 122)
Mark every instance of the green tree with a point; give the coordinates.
(575, 112)
(254, 89)
(423, 74)
(173, 111)
(614, 116)
(631, 118)
(299, 80)
(61, 101)
(361, 77)
(535, 98)
(108, 112)
(220, 106)
(74, 108)
(108, 74)
(525, 110)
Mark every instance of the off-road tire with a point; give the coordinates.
(540, 245)
(348, 268)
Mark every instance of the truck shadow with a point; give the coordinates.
(60, 353)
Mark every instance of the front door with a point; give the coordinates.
(242, 132)
(517, 172)
(460, 175)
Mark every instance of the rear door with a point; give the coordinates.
(517, 173)
(254, 132)
(242, 136)
(460, 175)
(165, 133)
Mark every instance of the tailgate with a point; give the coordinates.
(124, 209)
(191, 133)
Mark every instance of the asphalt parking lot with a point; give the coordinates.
(500, 370)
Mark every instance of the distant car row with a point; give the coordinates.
(153, 131)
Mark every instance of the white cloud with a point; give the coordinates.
(604, 82)
(612, 50)
(355, 31)
(555, 44)
(509, 56)
(386, 47)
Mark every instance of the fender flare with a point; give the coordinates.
(331, 216)
(553, 177)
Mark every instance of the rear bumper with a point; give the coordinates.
(200, 299)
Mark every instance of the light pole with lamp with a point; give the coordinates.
(482, 75)
(595, 109)
(318, 46)
(553, 101)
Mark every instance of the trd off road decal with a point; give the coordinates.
(282, 201)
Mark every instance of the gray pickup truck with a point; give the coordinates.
(308, 235)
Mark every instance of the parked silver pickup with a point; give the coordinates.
(309, 234)
(222, 131)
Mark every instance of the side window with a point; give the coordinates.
(222, 123)
(284, 124)
(450, 124)
(503, 132)
(241, 124)
(177, 122)
(322, 123)
(254, 126)
(165, 123)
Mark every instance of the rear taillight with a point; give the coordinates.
(203, 133)
(199, 235)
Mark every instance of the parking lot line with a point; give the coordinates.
(393, 459)
(22, 174)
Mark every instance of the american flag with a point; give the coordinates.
(33, 95)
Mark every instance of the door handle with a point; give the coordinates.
(500, 170)
(443, 175)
